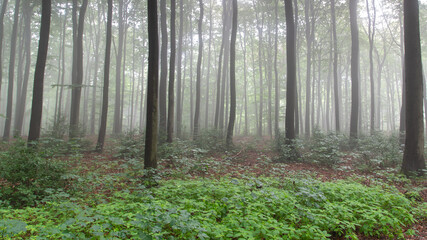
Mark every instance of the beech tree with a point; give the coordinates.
(151, 135)
(354, 118)
(230, 129)
(199, 73)
(413, 157)
(37, 103)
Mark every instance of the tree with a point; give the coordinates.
(163, 68)
(77, 78)
(371, 36)
(2, 13)
(8, 122)
(117, 123)
(37, 106)
(199, 73)
(171, 95)
(309, 35)
(291, 69)
(335, 70)
(104, 111)
(230, 129)
(151, 135)
(413, 157)
(354, 117)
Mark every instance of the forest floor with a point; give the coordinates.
(253, 157)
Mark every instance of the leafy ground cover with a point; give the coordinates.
(242, 193)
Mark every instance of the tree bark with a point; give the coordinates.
(230, 129)
(151, 135)
(117, 127)
(171, 92)
(199, 73)
(413, 156)
(2, 13)
(104, 111)
(354, 73)
(37, 102)
(163, 69)
(179, 71)
(13, 38)
(335, 63)
(291, 70)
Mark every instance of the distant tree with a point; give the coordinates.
(117, 122)
(2, 13)
(230, 129)
(179, 71)
(171, 95)
(413, 157)
(37, 104)
(354, 117)
(151, 135)
(276, 72)
(199, 73)
(371, 36)
(335, 70)
(291, 73)
(163, 69)
(77, 76)
(104, 111)
(13, 38)
(309, 35)
(23, 76)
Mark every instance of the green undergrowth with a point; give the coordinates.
(251, 208)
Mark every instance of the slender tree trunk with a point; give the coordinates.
(163, 69)
(298, 104)
(199, 73)
(402, 127)
(13, 38)
(291, 70)
(335, 63)
(22, 94)
(371, 36)
(245, 87)
(354, 73)
(179, 71)
(413, 156)
(230, 129)
(276, 72)
(37, 102)
(151, 135)
(117, 128)
(209, 67)
(104, 111)
(2, 13)
(61, 88)
(261, 89)
(171, 75)
(78, 74)
(95, 77)
(308, 37)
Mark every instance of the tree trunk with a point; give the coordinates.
(354, 73)
(2, 13)
(230, 129)
(117, 127)
(171, 75)
(37, 102)
(199, 73)
(95, 77)
(22, 94)
(291, 70)
(8, 122)
(335, 63)
(151, 135)
(163, 69)
(276, 73)
(413, 156)
(78, 74)
(371, 36)
(209, 68)
(179, 71)
(308, 37)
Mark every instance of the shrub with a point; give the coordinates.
(379, 151)
(26, 175)
(323, 149)
(211, 140)
(131, 145)
(287, 152)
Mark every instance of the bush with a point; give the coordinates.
(131, 145)
(379, 151)
(323, 149)
(224, 209)
(211, 140)
(287, 152)
(27, 176)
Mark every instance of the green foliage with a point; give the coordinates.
(287, 152)
(26, 175)
(131, 145)
(225, 209)
(211, 140)
(323, 149)
(379, 151)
